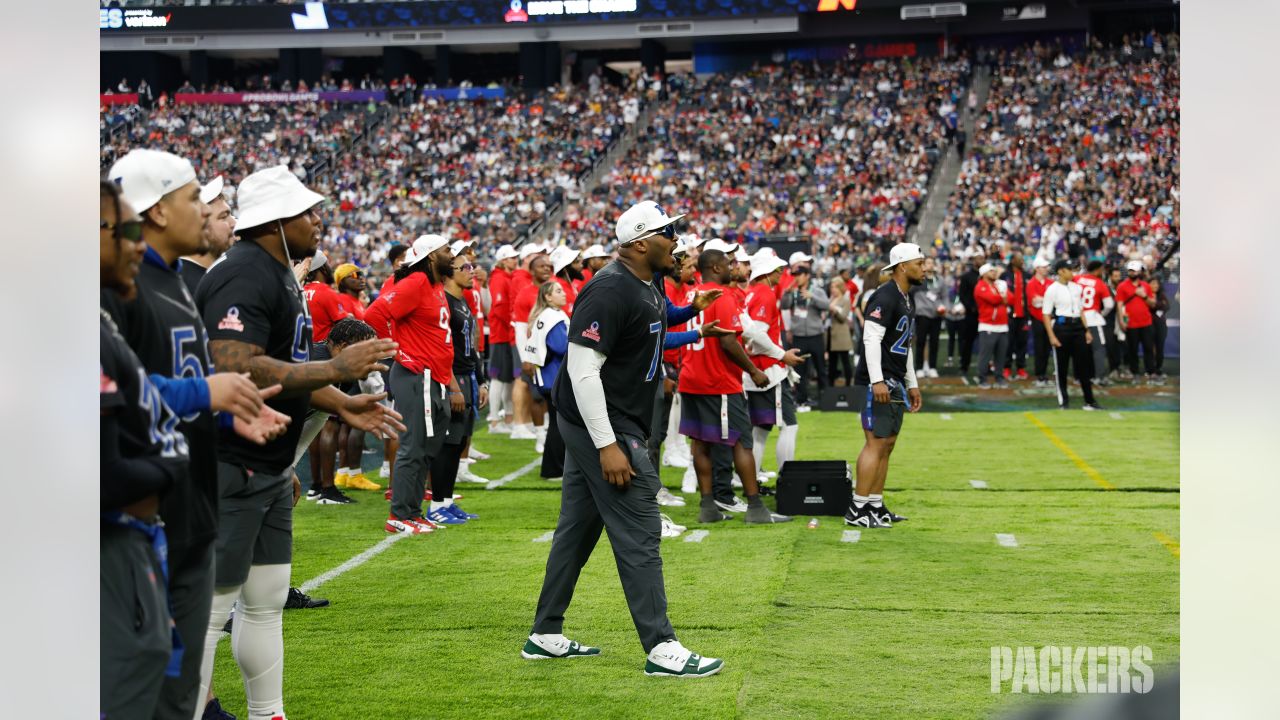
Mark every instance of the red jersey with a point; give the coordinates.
(520, 279)
(762, 306)
(1094, 292)
(992, 309)
(350, 306)
(1035, 296)
(500, 307)
(570, 293)
(787, 281)
(1127, 295)
(524, 303)
(418, 315)
(705, 368)
(325, 307)
(679, 295)
(586, 277)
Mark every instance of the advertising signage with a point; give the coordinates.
(315, 16)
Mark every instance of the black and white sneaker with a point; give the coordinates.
(1092, 406)
(298, 600)
(314, 493)
(333, 496)
(883, 511)
(863, 517)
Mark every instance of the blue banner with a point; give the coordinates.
(484, 93)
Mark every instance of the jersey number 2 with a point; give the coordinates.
(906, 328)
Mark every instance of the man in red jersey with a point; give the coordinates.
(713, 407)
(1016, 280)
(502, 367)
(1036, 286)
(1098, 305)
(1136, 299)
(773, 403)
(681, 290)
(525, 286)
(422, 376)
(349, 280)
(323, 301)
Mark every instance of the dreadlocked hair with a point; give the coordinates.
(349, 331)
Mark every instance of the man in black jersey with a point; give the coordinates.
(257, 321)
(142, 457)
(162, 326)
(216, 239)
(887, 371)
(605, 394)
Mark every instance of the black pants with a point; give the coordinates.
(1040, 339)
(839, 366)
(657, 428)
(1147, 338)
(811, 345)
(1017, 357)
(1073, 349)
(588, 505)
(553, 446)
(928, 333)
(968, 334)
(191, 595)
(953, 333)
(1115, 348)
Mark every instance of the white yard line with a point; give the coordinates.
(355, 562)
(851, 536)
(546, 536)
(1006, 540)
(978, 484)
(697, 535)
(513, 475)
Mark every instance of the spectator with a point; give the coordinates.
(969, 322)
(808, 304)
(840, 342)
(1136, 300)
(992, 298)
(1016, 280)
(930, 308)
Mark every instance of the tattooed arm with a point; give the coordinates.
(353, 363)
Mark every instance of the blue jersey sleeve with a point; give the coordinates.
(183, 395)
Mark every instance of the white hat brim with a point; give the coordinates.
(650, 232)
(298, 201)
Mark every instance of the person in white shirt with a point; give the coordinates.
(1064, 322)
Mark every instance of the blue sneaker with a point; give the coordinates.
(443, 517)
(460, 513)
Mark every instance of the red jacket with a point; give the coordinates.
(1017, 294)
(418, 315)
(570, 293)
(1136, 307)
(500, 307)
(325, 305)
(992, 308)
(1035, 296)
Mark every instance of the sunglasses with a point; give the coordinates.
(130, 230)
(466, 267)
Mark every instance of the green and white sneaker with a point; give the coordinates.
(554, 647)
(671, 659)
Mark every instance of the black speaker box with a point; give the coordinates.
(850, 399)
(815, 487)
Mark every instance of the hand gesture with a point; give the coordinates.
(367, 413)
(792, 358)
(616, 467)
(914, 400)
(1141, 292)
(713, 329)
(357, 360)
(703, 300)
(301, 269)
(267, 426)
(235, 393)
(880, 392)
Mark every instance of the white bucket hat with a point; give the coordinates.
(799, 256)
(764, 263)
(642, 220)
(273, 194)
(505, 252)
(422, 247)
(530, 249)
(595, 251)
(144, 176)
(727, 248)
(561, 258)
(906, 252)
(459, 245)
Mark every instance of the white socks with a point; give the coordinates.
(442, 504)
(759, 438)
(876, 500)
(860, 501)
(786, 447)
(499, 400)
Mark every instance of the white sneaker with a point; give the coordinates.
(762, 479)
(737, 506)
(386, 470)
(689, 484)
(671, 659)
(467, 460)
(736, 481)
(478, 455)
(933, 373)
(540, 445)
(521, 432)
(675, 461)
(465, 475)
(670, 529)
(802, 409)
(768, 474)
(666, 498)
(501, 429)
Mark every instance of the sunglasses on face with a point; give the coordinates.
(130, 230)
(467, 267)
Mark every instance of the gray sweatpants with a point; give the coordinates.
(589, 504)
(992, 348)
(418, 443)
(135, 641)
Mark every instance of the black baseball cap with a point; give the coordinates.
(1061, 265)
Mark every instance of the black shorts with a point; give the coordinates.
(766, 405)
(255, 522)
(462, 425)
(504, 365)
(719, 419)
(885, 419)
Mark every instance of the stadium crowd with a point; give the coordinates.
(387, 258)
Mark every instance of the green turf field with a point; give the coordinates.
(899, 624)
